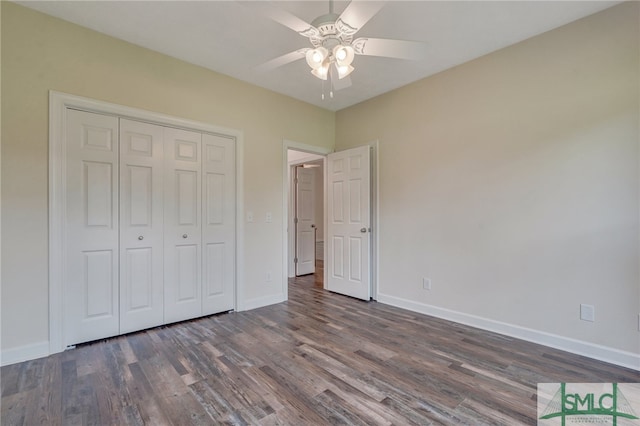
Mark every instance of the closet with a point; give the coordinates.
(149, 225)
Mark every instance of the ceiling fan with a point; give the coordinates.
(333, 46)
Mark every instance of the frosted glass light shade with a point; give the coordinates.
(344, 70)
(343, 55)
(316, 57)
(321, 72)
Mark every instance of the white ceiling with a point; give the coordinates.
(233, 37)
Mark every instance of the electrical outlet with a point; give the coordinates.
(249, 216)
(268, 276)
(268, 217)
(587, 313)
(426, 283)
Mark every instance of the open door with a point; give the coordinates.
(349, 222)
(305, 259)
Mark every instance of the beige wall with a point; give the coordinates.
(41, 53)
(512, 182)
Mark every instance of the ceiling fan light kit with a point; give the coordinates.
(333, 47)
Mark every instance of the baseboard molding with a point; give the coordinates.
(259, 302)
(591, 350)
(24, 353)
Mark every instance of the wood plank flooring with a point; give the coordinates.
(319, 358)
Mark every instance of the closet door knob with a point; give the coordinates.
(184, 235)
(141, 238)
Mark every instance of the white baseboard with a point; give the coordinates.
(259, 302)
(24, 353)
(591, 350)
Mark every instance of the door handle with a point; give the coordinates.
(184, 235)
(363, 230)
(313, 226)
(141, 238)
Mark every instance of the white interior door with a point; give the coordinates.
(90, 307)
(305, 259)
(349, 222)
(141, 226)
(182, 237)
(218, 219)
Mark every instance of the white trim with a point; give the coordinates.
(308, 159)
(290, 218)
(24, 353)
(590, 350)
(260, 302)
(375, 213)
(57, 203)
(240, 293)
(286, 186)
(58, 104)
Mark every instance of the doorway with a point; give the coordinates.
(305, 213)
(301, 153)
(306, 154)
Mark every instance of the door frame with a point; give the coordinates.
(58, 104)
(286, 199)
(375, 208)
(291, 209)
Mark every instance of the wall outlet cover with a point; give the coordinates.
(426, 283)
(587, 312)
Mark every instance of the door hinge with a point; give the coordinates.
(295, 220)
(295, 260)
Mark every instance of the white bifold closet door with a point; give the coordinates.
(91, 302)
(199, 224)
(218, 223)
(141, 226)
(183, 240)
(149, 225)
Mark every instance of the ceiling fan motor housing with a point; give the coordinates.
(329, 33)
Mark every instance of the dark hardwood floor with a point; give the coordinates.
(319, 358)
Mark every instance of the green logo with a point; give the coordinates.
(588, 403)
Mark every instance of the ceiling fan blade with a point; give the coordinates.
(356, 15)
(400, 49)
(281, 60)
(283, 17)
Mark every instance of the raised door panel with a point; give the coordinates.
(182, 225)
(218, 232)
(187, 260)
(97, 284)
(91, 308)
(141, 226)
